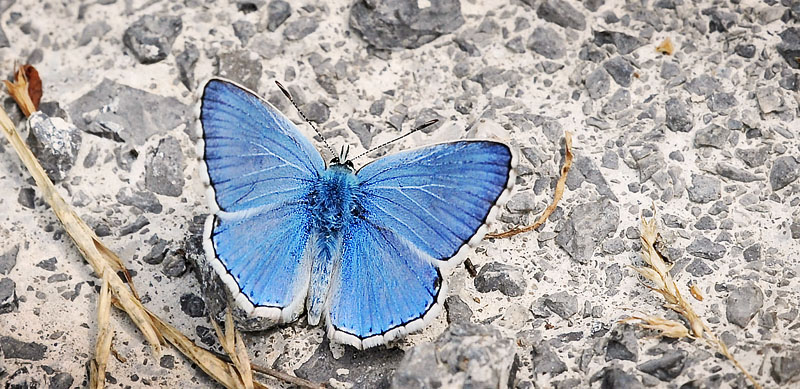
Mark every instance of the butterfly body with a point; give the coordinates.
(365, 250)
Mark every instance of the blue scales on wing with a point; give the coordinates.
(260, 168)
(418, 209)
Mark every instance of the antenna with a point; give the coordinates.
(420, 127)
(289, 96)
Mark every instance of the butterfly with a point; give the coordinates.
(366, 250)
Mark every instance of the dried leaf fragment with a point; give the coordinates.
(666, 327)
(666, 47)
(19, 90)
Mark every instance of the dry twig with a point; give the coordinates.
(662, 283)
(97, 372)
(560, 185)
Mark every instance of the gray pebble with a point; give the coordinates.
(93, 30)
(784, 171)
(521, 202)
(743, 303)
(699, 268)
(562, 13)
(316, 112)
(624, 43)
(174, 264)
(9, 259)
(457, 310)
(546, 361)
(244, 30)
(704, 189)
(395, 24)
(145, 201)
(620, 70)
(562, 304)
(17, 349)
(62, 380)
(598, 83)
(300, 28)
(721, 102)
(277, 13)
(666, 368)
(546, 42)
(48, 264)
(745, 50)
(614, 377)
(55, 143)
(241, 66)
(785, 368)
(789, 48)
(8, 296)
(186, 62)
(669, 70)
(712, 136)
(679, 117)
(151, 37)
(703, 85)
(193, 305)
(164, 169)
(136, 225)
(752, 253)
(363, 130)
(703, 247)
(729, 171)
(705, 223)
(620, 100)
(587, 226)
(622, 344)
(649, 160)
(516, 45)
(494, 276)
(752, 157)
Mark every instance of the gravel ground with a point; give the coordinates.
(707, 135)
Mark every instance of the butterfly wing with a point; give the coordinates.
(420, 211)
(259, 169)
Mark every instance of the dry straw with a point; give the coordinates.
(657, 272)
(117, 286)
(559, 192)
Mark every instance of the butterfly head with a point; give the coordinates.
(342, 160)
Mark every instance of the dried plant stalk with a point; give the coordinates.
(97, 373)
(560, 185)
(658, 274)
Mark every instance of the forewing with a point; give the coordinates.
(439, 198)
(383, 289)
(254, 155)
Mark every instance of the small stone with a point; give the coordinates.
(743, 303)
(457, 310)
(167, 362)
(622, 344)
(752, 253)
(164, 169)
(620, 70)
(395, 24)
(186, 62)
(546, 361)
(703, 247)
(248, 6)
(745, 50)
(16, 349)
(55, 143)
(752, 157)
(151, 37)
(712, 136)
(9, 259)
(174, 265)
(146, 201)
(48, 264)
(8, 296)
(62, 380)
(721, 102)
(769, 99)
(586, 227)
(794, 229)
(300, 28)
(93, 30)
(516, 45)
(521, 202)
(548, 43)
(789, 48)
(137, 225)
(562, 13)
(785, 368)
(785, 170)
(698, 268)
(241, 66)
(669, 70)
(729, 171)
(363, 130)
(377, 107)
(624, 43)
(703, 85)
(679, 117)
(649, 160)
(621, 99)
(193, 305)
(316, 112)
(466, 355)
(124, 114)
(598, 83)
(494, 276)
(705, 223)
(614, 377)
(666, 368)
(277, 13)
(27, 197)
(562, 304)
(704, 189)
(244, 30)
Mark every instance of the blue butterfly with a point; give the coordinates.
(366, 249)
